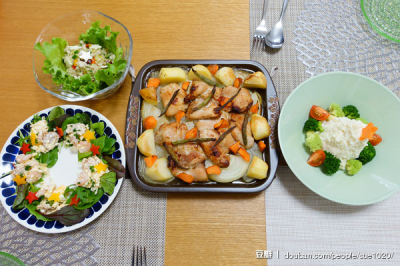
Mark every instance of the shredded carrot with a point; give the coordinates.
(238, 82)
(245, 155)
(235, 147)
(213, 69)
(262, 145)
(223, 123)
(150, 160)
(254, 108)
(179, 116)
(368, 132)
(153, 82)
(185, 85)
(185, 177)
(191, 133)
(149, 122)
(213, 170)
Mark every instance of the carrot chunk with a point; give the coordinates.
(150, 160)
(153, 82)
(150, 122)
(222, 100)
(262, 145)
(213, 69)
(223, 123)
(191, 133)
(185, 85)
(254, 109)
(213, 170)
(238, 82)
(235, 147)
(179, 116)
(185, 177)
(368, 132)
(245, 155)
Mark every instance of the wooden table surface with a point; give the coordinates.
(201, 229)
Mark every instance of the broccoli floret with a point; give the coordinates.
(362, 120)
(351, 112)
(367, 154)
(331, 164)
(313, 125)
(313, 141)
(353, 166)
(336, 110)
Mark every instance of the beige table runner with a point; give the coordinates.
(298, 221)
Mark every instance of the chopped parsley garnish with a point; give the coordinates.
(92, 168)
(76, 51)
(28, 167)
(74, 56)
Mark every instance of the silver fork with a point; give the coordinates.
(140, 259)
(261, 30)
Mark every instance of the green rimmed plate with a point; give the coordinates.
(377, 180)
(10, 260)
(383, 16)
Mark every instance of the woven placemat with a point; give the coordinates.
(298, 221)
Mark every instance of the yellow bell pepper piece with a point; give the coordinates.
(100, 167)
(55, 197)
(89, 135)
(20, 180)
(33, 138)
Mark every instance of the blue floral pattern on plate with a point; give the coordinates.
(7, 185)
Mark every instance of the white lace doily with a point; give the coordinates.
(32, 248)
(334, 35)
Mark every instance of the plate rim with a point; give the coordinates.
(307, 184)
(96, 214)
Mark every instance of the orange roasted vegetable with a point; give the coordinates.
(262, 145)
(213, 69)
(245, 155)
(238, 82)
(223, 123)
(153, 82)
(213, 170)
(191, 134)
(235, 147)
(150, 160)
(185, 177)
(150, 122)
(179, 116)
(185, 85)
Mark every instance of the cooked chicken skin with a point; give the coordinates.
(218, 154)
(189, 155)
(209, 123)
(198, 171)
(198, 93)
(178, 104)
(241, 102)
(237, 120)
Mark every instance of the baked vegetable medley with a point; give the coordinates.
(36, 190)
(94, 63)
(340, 139)
(203, 124)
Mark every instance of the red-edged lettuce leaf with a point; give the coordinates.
(68, 215)
(115, 166)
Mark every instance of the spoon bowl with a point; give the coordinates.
(274, 37)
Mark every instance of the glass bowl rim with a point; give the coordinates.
(93, 95)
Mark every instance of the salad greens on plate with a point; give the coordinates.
(37, 192)
(92, 65)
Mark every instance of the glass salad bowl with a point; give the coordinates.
(70, 27)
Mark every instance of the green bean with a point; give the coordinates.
(223, 136)
(244, 128)
(207, 80)
(170, 102)
(206, 101)
(197, 140)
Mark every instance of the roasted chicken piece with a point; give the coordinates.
(209, 123)
(218, 154)
(198, 93)
(190, 156)
(237, 120)
(241, 102)
(178, 104)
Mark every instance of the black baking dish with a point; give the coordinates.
(134, 128)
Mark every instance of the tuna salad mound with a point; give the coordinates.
(340, 139)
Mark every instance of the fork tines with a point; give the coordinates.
(140, 258)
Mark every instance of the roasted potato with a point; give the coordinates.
(259, 127)
(172, 74)
(202, 70)
(258, 168)
(146, 143)
(159, 171)
(226, 76)
(256, 80)
(149, 95)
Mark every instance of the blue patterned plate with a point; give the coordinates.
(7, 186)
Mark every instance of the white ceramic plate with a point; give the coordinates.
(64, 172)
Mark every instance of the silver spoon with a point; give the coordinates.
(274, 37)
